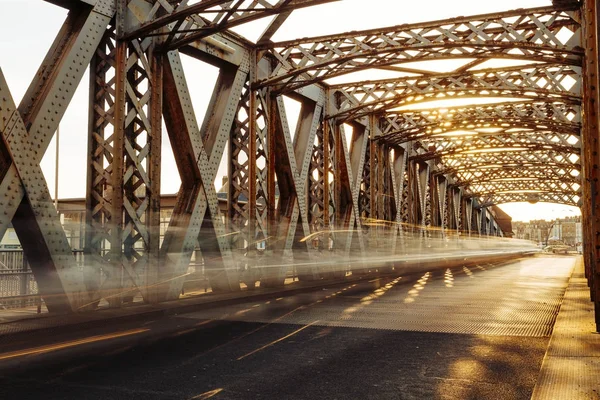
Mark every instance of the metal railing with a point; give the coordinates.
(18, 287)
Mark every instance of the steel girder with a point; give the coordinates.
(515, 173)
(558, 197)
(591, 161)
(27, 132)
(203, 225)
(544, 82)
(122, 243)
(557, 145)
(508, 117)
(531, 34)
(189, 23)
(469, 169)
(33, 215)
(495, 157)
(506, 192)
(541, 142)
(535, 139)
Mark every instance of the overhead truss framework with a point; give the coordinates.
(362, 151)
(180, 23)
(533, 34)
(545, 82)
(407, 125)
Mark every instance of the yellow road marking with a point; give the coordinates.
(64, 345)
(276, 341)
(207, 395)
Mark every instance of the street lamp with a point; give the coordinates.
(550, 230)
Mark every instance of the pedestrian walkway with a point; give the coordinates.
(571, 366)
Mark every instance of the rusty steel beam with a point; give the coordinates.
(189, 23)
(34, 217)
(532, 36)
(492, 144)
(591, 143)
(40, 111)
(567, 198)
(535, 82)
(397, 127)
(196, 218)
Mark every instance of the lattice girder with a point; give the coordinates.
(514, 174)
(34, 219)
(526, 186)
(102, 218)
(565, 168)
(291, 159)
(565, 133)
(566, 198)
(196, 217)
(444, 146)
(555, 116)
(541, 82)
(525, 34)
(188, 23)
(349, 164)
(503, 157)
(39, 114)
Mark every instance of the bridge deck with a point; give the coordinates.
(571, 366)
(452, 334)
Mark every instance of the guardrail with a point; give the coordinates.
(18, 287)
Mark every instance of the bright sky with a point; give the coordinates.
(23, 46)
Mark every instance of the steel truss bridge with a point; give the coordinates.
(364, 158)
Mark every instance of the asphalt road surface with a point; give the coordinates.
(464, 333)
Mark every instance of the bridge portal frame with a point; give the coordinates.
(350, 161)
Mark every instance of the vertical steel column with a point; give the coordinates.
(102, 269)
(249, 173)
(381, 194)
(251, 228)
(456, 207)
(442, 187)
(238, 173)
(399, 179)
(318, 185)
(328, 147)
(153, 170)
(238, 182)
(413, 196)
(423, 192)
(340, 181)
(468, 215)
(591, 148)
(367, 195)
(484, 222)
(388, 188)
(138, 129)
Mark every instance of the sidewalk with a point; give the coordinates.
(571, 366)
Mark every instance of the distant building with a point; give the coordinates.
(566, 230)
